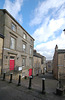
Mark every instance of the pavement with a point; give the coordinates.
(10, 91)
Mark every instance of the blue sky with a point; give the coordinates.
(42, 19)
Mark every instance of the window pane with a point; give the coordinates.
(24, 36)
(13, 27)
(30, 50)
(30, 61)
(31, 41)
(12, 45)
(24, 47)
(23, 62)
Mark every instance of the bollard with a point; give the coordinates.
(30, 82)
(43, 85)
(19, 81)
(4, 76)
(11, 77)
(60, 85)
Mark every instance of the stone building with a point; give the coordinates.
(49, 65)
(43, 64)
(18, 45)
(59, 63)
(38, 63)
(1, 51)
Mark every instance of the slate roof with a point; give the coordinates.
(61, 51)
(37, 54)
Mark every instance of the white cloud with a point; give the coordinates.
(55, 25)
(43, 8)
(14, 7)
(46, 31)
(44, 44)
(47, 49)
(49, 17)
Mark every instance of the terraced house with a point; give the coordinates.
(18, 45)
(59, 63)
(39, 63)
(49, 65)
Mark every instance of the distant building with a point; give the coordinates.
(49, 65)
(43, 64)
(59, 63)
(39, 63)
(17, 47)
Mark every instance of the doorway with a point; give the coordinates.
(30, 72)
(12, 63)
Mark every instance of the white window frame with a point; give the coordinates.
(24, 62)
(13, 27)
(12, 43)
(30, 50)
(30, 61)
(24, 36)
(24, 47)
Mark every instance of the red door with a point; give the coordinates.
(30, 72)
(12, 64)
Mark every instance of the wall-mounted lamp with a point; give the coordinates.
(64, 31)
(17, 58)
